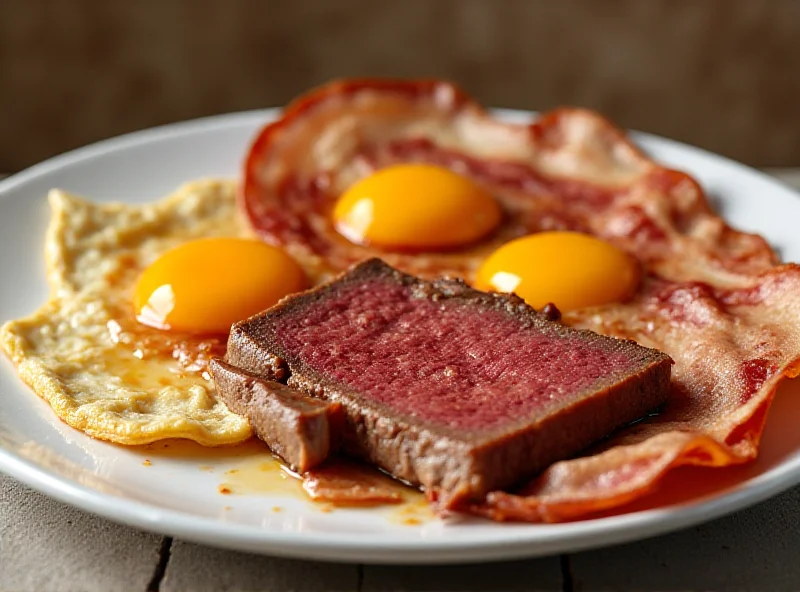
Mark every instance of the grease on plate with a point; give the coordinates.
(250, 469)
(262, 475)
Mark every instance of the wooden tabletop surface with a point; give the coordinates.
(51, 547)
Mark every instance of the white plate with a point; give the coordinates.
(174, 497)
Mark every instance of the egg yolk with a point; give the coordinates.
(205, 286)
(569, 269)
(415, 206)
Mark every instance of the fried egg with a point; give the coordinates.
(85, 353)
(569, 269)
(206, 285)
(416, 207)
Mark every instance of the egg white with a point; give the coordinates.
(76, 352)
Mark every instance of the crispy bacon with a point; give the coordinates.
(715, 299)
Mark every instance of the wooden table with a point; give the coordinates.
(48, 546)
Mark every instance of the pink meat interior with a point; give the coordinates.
(446, 362)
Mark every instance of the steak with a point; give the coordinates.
(300, 429)
(458, 391)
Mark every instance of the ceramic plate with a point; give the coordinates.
(178, 492)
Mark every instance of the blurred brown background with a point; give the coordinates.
(722, 74)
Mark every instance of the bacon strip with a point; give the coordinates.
(715, 299)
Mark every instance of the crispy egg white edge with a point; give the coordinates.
(37, 363)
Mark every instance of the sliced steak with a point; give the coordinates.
(298, 428)
(459, 391)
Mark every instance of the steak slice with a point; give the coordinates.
(459, 391)
(298, 428)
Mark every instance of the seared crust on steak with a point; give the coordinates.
(454, 463)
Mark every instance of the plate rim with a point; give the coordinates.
(333, 546)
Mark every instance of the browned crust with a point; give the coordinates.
(298, 428)
(457, 466)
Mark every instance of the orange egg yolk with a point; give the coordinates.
(205, 286)
(415, 206)
(569, 269)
